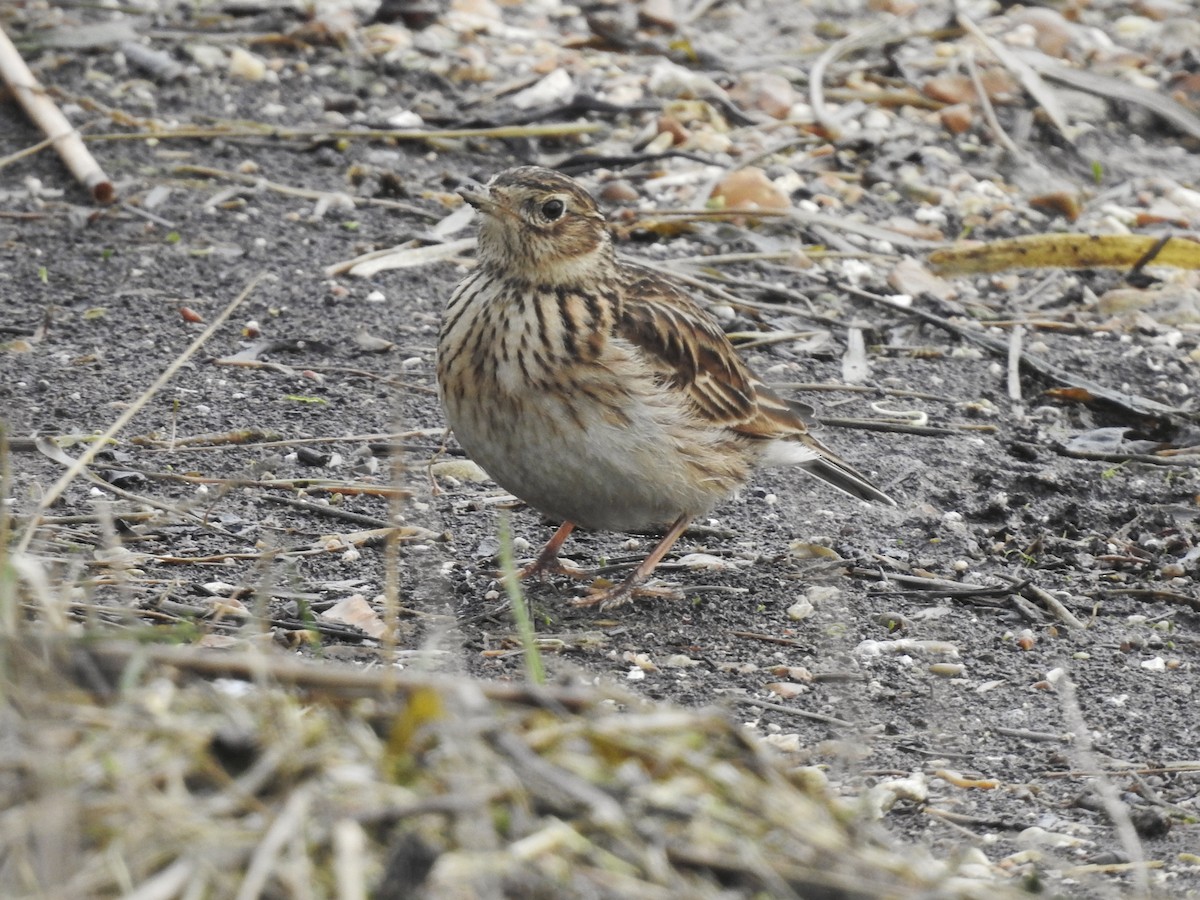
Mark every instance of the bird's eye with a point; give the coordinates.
(553, 209)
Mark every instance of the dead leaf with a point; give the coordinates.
(369, 343)
(355, 611)
(1066, 251)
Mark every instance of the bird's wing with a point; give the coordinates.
(690, 352)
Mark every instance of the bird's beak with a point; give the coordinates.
(481, 199)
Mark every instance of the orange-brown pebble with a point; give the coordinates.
(1054, 35)
(750, 188)
(1161, 10)
(895, 7)
(949, 88)
(659, 13)
(999, 85)
(1064, 203)
(672, 126)
(766, 91)
(957, 118)
(619, 191)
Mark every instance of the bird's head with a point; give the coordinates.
(541, 226)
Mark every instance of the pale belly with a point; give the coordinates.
(648, 470)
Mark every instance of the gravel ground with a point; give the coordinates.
(1016, 642)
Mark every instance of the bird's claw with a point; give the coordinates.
(542, 568)
(611, 597)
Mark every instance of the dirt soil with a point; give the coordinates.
(935, 638)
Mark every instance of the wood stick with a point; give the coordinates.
(42, 111)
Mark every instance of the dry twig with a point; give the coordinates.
(85, 459)
(885, 30)
(52, 123)
(1029, 78)
(985, 106)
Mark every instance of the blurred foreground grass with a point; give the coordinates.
(131, 767)
(152, 771)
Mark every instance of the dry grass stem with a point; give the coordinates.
(340, 772)
(84, 459)
(1025, 74)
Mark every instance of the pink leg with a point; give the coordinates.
(547, 559)
(621, 593)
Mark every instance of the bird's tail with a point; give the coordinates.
(832, 469)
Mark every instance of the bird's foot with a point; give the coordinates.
(547, 561)
(553, 566)
(620, 594)
(614, 595)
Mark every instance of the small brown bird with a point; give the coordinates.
(595, 389)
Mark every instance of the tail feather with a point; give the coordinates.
(846, 478)
(832, 469)
(784, 426)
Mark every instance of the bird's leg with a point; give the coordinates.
(548, 561)
(607, 598)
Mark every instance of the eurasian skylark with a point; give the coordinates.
(596, 390)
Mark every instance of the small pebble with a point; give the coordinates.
(619, 191)
(243, 64)
(947, 670)
(800, 610)
(786, 689)
(750, 188)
